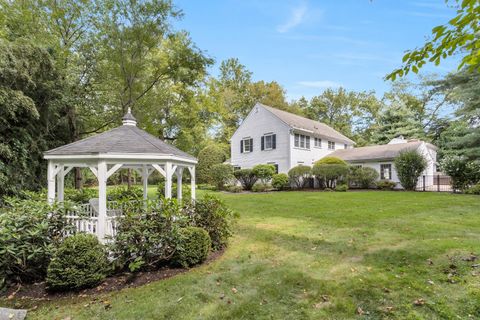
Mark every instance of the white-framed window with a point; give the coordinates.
(269, 141)
(331, 145)
(302, 141)
(386, 171)
(317, 142)
(246, 145)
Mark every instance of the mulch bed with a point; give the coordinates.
(36, 291)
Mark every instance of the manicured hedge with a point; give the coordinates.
(193, 246)
(80, 262)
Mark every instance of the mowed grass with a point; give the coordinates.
(319, 255)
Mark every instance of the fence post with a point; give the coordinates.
(423, 182)
(438, 182)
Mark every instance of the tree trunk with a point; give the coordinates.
(129, 178)
(78, 178)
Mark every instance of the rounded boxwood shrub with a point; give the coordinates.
(260, 187)
(264, 172)
(409, 165)
(280, 181)
(385, 184)
(80, 262)
(299, 176)
(193, 246)
(341, 187)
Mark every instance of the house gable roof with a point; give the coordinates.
(125, 139)
(377, 152)
(298, 122)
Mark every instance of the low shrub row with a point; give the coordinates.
(34, 245)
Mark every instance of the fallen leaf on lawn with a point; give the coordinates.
(429, 261)
(325, 298)
(67, 318)
(386, 290)
(222, 296)
(179, 299)
(470, 258)
(360, 311)
(314, 248)
(234, 290)
(86, 305)
(419, 302)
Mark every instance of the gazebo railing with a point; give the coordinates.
(84, 218)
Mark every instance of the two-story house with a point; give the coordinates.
(286, 140)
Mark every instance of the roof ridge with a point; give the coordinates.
(303, 118)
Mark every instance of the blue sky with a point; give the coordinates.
(307, 46)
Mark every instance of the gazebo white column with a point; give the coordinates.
(102, 199)
(60, 183)
(179, 174)
(168, 180)
(145, 175)
(51, 181)
(192, 181)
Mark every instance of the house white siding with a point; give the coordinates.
(258, 123)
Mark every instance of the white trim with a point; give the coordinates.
(159, 169)
(113, 169)
(129, 156)
(94, 171)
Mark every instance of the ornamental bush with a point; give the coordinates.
(409, 166)
(474, 189)
(186, 190)
(385, 184)
(264, 172)
(122, 193)
(147, 235)
(29, 232)
(280, 181)
(260, 187)
(299, 176)
(331, 160)
(211, 214)
(221, 174)
(80, 262)
(193, 246)
(341, 188)
(246, 177)
(463, 173)
(363, 177)
(208, 157)
(330, 169)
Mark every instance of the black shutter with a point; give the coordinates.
(241, 146)
(251, 145)
(263, 143)
(274, 144)
(276, 166)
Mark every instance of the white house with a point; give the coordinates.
(269, 135)
(381, 157)
(286, 140)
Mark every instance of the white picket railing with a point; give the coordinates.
(84, 218)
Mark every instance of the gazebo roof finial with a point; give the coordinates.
(128, 119)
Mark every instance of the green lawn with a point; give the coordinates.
(320, 255)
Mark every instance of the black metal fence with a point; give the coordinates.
(436, 183)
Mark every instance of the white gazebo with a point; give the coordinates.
(126, 146)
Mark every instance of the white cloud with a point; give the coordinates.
(322, 84)
(297, 16)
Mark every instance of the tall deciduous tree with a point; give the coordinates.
(31, 110)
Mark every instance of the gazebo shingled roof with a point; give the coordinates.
(126, 139)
